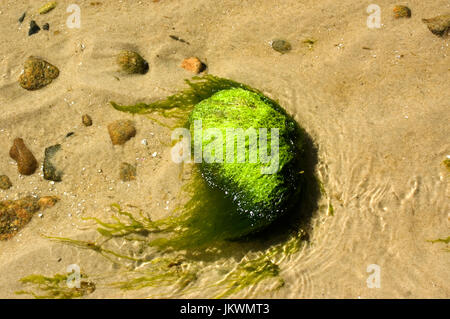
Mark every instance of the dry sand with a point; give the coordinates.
(379, 117)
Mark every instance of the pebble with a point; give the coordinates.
(47, 201)
(193, 64)
(46, 27)
(127, 172)
(281, 46)
(121, 131)
(51, 173)
(87, 120)
(132, 63)
(14, 215)
(5, 182)
(402, 12)
(46, 8)
(37, 73)
(34, 28)
(26, 162)
(439, 25)
(22, 17)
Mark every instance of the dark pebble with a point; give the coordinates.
(46, 27)
(50, 171)
(281, 46)
(127, 172)
(22, 17)
(87, 120)
(34, 28)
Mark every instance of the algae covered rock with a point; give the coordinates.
(37, 73)
(249, 148)
(132, 63)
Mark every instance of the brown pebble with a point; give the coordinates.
(47, 201)
(37, 73)
(121, 131)
(193, 64)
(439, 25)
(15, 214)
(26, 162)
(127, 172)
(87, 120)
(402, 12)
(5, 182)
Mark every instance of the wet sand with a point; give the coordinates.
(375, 103)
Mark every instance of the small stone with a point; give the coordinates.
(37, 73)
(14, 215)
(49, 170)
(49, 6)
(439, 25)
(127, 172)
(26, 162)
(47, 201)
(87, 120)
(446, 163)
(46, 27)
(402, 12)
(5, 182)
(193, 64)
(121, 131)
(281, 46)
(34, 28)
(22, 17)
(132, 63)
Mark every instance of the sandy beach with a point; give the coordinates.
(374, 101)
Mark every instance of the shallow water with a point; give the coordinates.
(379, 123)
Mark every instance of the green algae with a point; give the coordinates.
(56, 287)
(161, 272)
(441, 240)
(181, 104)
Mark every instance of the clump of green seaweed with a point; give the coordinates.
(55, 287)
(180, 105)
